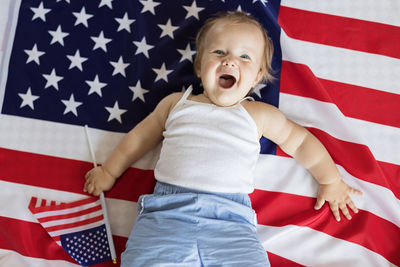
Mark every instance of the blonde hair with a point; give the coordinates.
(237, 17)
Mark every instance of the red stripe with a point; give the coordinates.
(75, 224)
(68, 175)
(357, 160)
(278, 261)
(360, 35)
(43, 203)
(69, 215)
(32, 203)
(64, 206)
(378, 235)
(24, 238)
(353, 101)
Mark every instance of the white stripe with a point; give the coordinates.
(344, 65)
(122, 213)
(72, 220)
(76, 229)
(4, 18)
(122, 216)
(314, 248)
(38, 203)
(382, 140)
(14, 259)
(382, 11)
(280, 174)
(66, 211)
(55, 139)
(12, 18)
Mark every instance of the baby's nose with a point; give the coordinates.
(228, 62)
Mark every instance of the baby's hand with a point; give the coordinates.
(337, 195)
(97, 181)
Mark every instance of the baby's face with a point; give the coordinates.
(230, 63)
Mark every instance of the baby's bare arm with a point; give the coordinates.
(309, 152)
(146, 135)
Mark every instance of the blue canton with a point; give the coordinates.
(87, 247)
(108, 63)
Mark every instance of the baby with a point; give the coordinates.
(200, 213)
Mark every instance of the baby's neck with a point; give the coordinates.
(200, 98)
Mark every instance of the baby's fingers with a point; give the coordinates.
(87, 175)
(354, 191)
(352, 206)
(345, 211)
(85, 186)
(335, 210)
(320, 202)
(91, 188)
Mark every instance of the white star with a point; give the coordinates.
(124, 23)
(100, 42)
(193, 10)
(239, 8)
(106, 3)
(28, 98)
(187, 53)
(162, 73)
(71, 105)
(119, 67)
(52, 79)
(58, 35)
(82, 17)
(143, 47)
(167, 29)
(257, 89)
(138, 91)
(34, 54)
(264, 2)
(149, 5)
(115, 112)
(95, 86)
(76, 60)
(40, 12)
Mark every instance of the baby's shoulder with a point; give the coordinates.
(258, 108)
(174, 97)
(165, 106)
(265, 116)
(171, 100)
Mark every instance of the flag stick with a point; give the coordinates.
(102, 200)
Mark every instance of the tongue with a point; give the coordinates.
(226, 81)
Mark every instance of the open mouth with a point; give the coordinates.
(226, 81)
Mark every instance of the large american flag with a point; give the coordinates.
(104, 63)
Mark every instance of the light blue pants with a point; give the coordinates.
(177, 226)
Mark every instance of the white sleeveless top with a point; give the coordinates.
(210, 148)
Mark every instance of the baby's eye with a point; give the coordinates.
(218, 52)
(245, 57)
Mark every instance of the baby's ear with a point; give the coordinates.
(197, 68)
(258, 78)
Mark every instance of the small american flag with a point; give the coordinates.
(79, 227)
